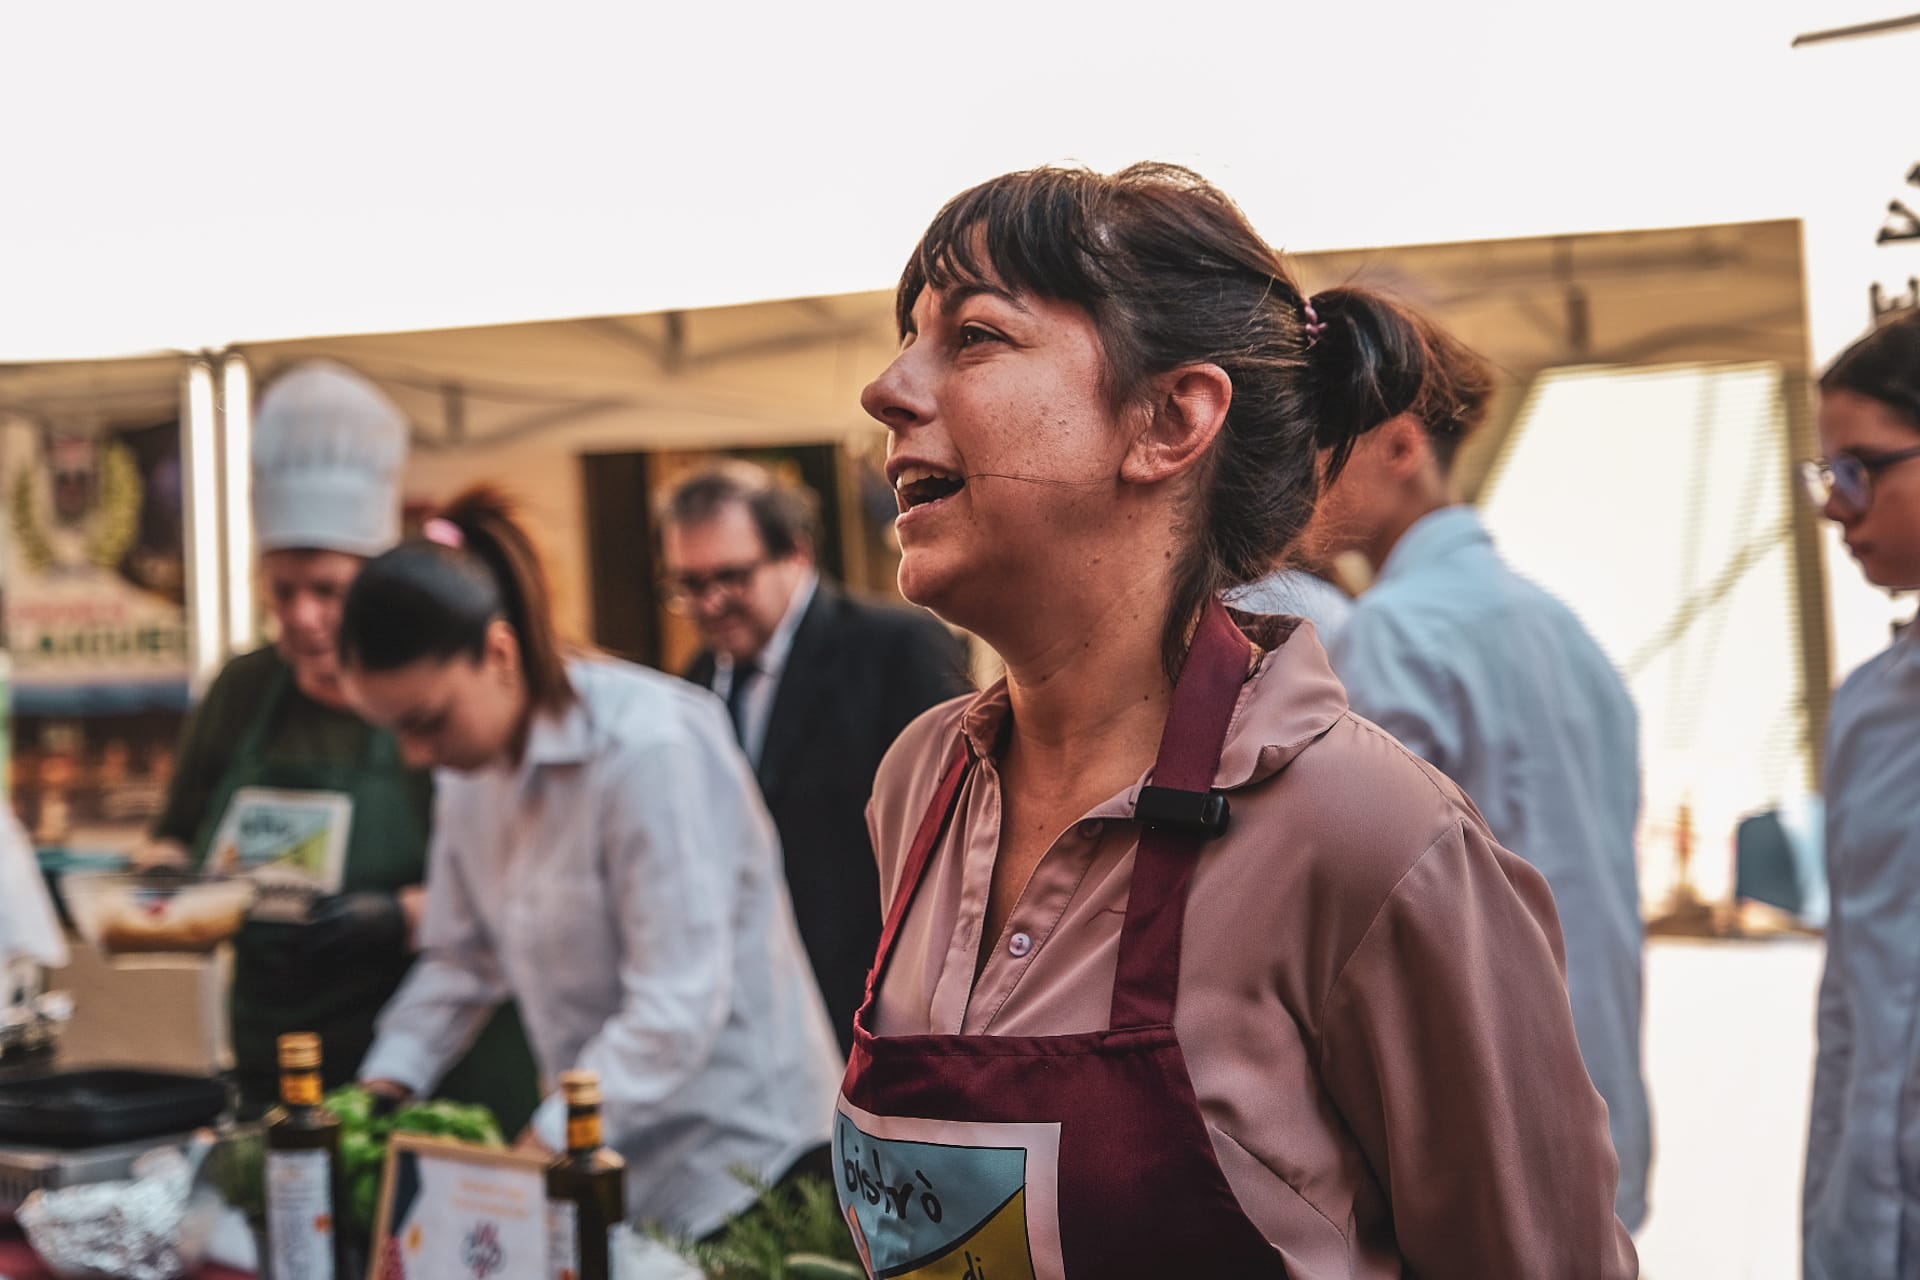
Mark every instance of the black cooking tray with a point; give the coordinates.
(92, 1107)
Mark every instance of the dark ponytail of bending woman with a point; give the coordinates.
(435, 596)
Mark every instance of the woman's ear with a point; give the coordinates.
(503, 651)
(1408, 450)
(1188, 408)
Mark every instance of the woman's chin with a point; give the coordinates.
(923, 580)
(982, 592)
(1889, 579)
(1889, 573)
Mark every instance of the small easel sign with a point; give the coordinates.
(453, 1211)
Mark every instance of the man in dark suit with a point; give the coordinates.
(818, 685)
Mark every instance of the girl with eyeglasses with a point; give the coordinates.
(1861, 1210)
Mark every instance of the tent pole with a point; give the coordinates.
(200, 459)
(1811, 609)
(236, 488)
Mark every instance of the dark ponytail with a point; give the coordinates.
(1377, 359)
(434, 598)
(1883, 366)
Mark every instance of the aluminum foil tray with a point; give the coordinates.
(25, 1170)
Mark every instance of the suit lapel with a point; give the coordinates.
(803, 683)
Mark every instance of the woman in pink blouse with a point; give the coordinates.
(1187, 970)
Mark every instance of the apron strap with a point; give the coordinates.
(1148, 971)
(253, 742)
(1147, 976)
(931, 825)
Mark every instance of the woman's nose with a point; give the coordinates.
(896, 399)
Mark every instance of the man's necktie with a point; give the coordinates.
(743, 675)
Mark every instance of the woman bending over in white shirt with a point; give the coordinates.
(601, 855)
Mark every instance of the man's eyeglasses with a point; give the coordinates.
(685, 591)
(1848, 479)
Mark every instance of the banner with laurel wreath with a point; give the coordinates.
(94, 571)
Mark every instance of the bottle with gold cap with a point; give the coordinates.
(304, 1182)
(586, 1189)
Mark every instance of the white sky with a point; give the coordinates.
(193, 173)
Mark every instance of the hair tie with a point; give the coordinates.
(1315, 325)
(443, 531)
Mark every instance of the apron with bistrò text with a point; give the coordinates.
(984, 1157)
(386, 851)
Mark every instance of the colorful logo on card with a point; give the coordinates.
(933, 1211)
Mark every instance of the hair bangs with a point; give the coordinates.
(1028, 233)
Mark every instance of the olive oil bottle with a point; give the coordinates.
(304, 1182)
(586, 1189)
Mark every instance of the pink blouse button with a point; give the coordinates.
(1090, 828)
(1018, 945)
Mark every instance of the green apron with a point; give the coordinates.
(386, 852)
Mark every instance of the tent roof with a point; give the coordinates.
(777, 371)
(756, 373)
(83, 392)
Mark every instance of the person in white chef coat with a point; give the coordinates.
(1494, 682)
(1861, 1205)
(601, 854)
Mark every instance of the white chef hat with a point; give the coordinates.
(328, 449)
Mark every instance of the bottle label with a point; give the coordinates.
(563, 1240)
(300, 1214)
(583, 1132)
(300, 1089)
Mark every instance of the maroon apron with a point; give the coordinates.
(1045, 1157)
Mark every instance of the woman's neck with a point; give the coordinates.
(522, 710)
(1427, 495)
(1089, 695)
(522, 729)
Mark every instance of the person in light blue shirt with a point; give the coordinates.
(1299, 592)
(1860, 1211)
(1492, 680)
